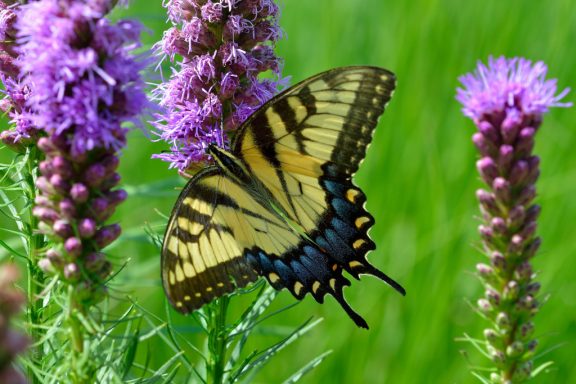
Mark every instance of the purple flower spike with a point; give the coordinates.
(223, 48)
(82, 83)
(507, 100)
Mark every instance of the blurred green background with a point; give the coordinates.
(420, 179)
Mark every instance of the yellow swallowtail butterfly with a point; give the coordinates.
(281, 203)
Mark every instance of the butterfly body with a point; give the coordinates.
(281, 203)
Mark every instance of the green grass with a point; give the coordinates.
(420, 179)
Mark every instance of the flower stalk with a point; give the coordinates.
(507, 100)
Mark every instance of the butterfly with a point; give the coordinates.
(281, 202)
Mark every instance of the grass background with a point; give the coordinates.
(420, 179)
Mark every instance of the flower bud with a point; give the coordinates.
(62, 166)
(71, 272)
(519, 172)
(86, 228)
(525, 142)
(498, 261)
(45, 265)
(488, 202)
(505, 156)
(503, 321)
(94, 261)
(63, 229)
(511, 290)
(68, 209)
(73, 246)
(510, 127)
(484, 306)
(499, 225)
(107, 235)
(79, 193)
(487, 169)
(515, 349)
(502, 190)
(94, 175)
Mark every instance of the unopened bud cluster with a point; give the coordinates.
(77, 197)
(506, 100)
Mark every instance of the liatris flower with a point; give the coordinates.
(224, 46)
(15, 94)
(11, 343)
(507, 100)
(84, 83)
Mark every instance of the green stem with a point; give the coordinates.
(217, 341)
(35, 242)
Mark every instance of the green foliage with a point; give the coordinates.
(420, 179)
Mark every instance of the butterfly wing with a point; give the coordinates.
(213, 223)
(304, 146)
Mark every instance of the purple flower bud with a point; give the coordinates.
(111, 181)
(488, 202)
(533, 212)
(525, 141)
(499, 225)
(487, 169)
(71, 272)
(86, 228)
(534, 169)
(42, 201)
(532, 248)
(526, 195)
(62, 166)
(44, 186)
(519, 172)
(79, 193)
(510, 127)
(45, 168)
(116, 197)
(485, 271)
(516, 244)
(94, 261)
(45, 214)
(516, 217)
(502, 190)
(55, 257)
(528, 230)
(73, 246)
(68, 209)
(485, 147)
(59, 183)
(498, 261)
(99, 205)
(486, 233)
(493, 297)
(110, 163)
(523, 271)
(107, 235)
(489, 132)
(505, 156)
(63, 229)
(94, 175)
(46, 145)
(45, 265)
